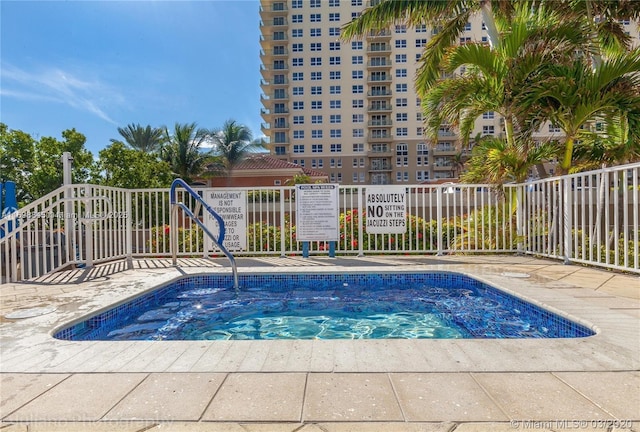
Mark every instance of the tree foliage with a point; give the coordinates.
(145, 139)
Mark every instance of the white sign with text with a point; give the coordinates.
(317, 212)
(386, 209)
(231, 205)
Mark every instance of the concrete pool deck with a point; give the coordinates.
(323, 385)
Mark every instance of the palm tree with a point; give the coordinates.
(146, 139)
(183, 150)
(232, 144)
(575, 96)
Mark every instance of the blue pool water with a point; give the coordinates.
(325, 306)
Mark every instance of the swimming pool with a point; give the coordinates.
(433, 305)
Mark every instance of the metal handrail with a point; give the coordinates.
(174, 225)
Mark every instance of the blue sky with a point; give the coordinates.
(99, 65)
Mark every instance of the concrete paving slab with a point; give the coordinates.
(381, 427)
(444, 397)
(617, 393)
(123, 426)
(350, 397)
(197, 427)
(168, 396)
(258, 397)
(81, 397)
(18, 389)
(537, 396)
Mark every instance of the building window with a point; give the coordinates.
(357, 118)
(315, 18)
(334, 31)
(335, 89)
(335, 104)
(316, 46)
(421, 43)
(401, 73)
(298, 76)
(298, 148)
(280, 137)
(402, 131)
(316, 119)
(467, 26)
(419, 131)
(297, 47)
(358, 133)
(421, 28)
(489, 115)
(355, 60)
(297, 62)
(334, 60)
(298, 91)
(422, 151)
(401, 43)
(280, 150)
(422, 175)
(356, 2)
(298, 105)
(488, 130)
(357, 74)
(401, 102)
(334, 46)
(334, 3)
(401, 28)
(298, 134)
(316, 61)
(554, 128)
(316, 148)
(357, 103)
(354, 177)
(335, 118)
(316, 90)
(358, 148)
(402, 117)
(336, 133)
(336, 148)
(359, 88)
(357, 45)
(401, 58)
(316, 76)
(298, 119)
(402, 155)
(401, 88)
(296, 33)
(335, 75)
(316, 133)
(296, 4)
(334, 16)
(296, 18)
(315, 32)
(315, 3)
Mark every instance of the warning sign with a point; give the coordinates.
(232, 208)
(386, 210)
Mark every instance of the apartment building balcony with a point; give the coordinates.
(266, 127)
(384, 63)
(382, 137)
(268, 71)
(380, 166)
(267, 55)
(379, 48)
(385, 153)
(268, 112)
(379, 35)
(273, 8)
(380, 123)
(446, 132)
(275, 96)
(379, 108)
(375, 94)
(279, 23)
(379, 79)
(269, 40)
(273, 82)
(445, 150)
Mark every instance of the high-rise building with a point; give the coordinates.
(350, 108)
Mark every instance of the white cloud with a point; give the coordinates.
(56, 85)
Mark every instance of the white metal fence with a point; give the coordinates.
(589, 218)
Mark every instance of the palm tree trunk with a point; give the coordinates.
(568, 154)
